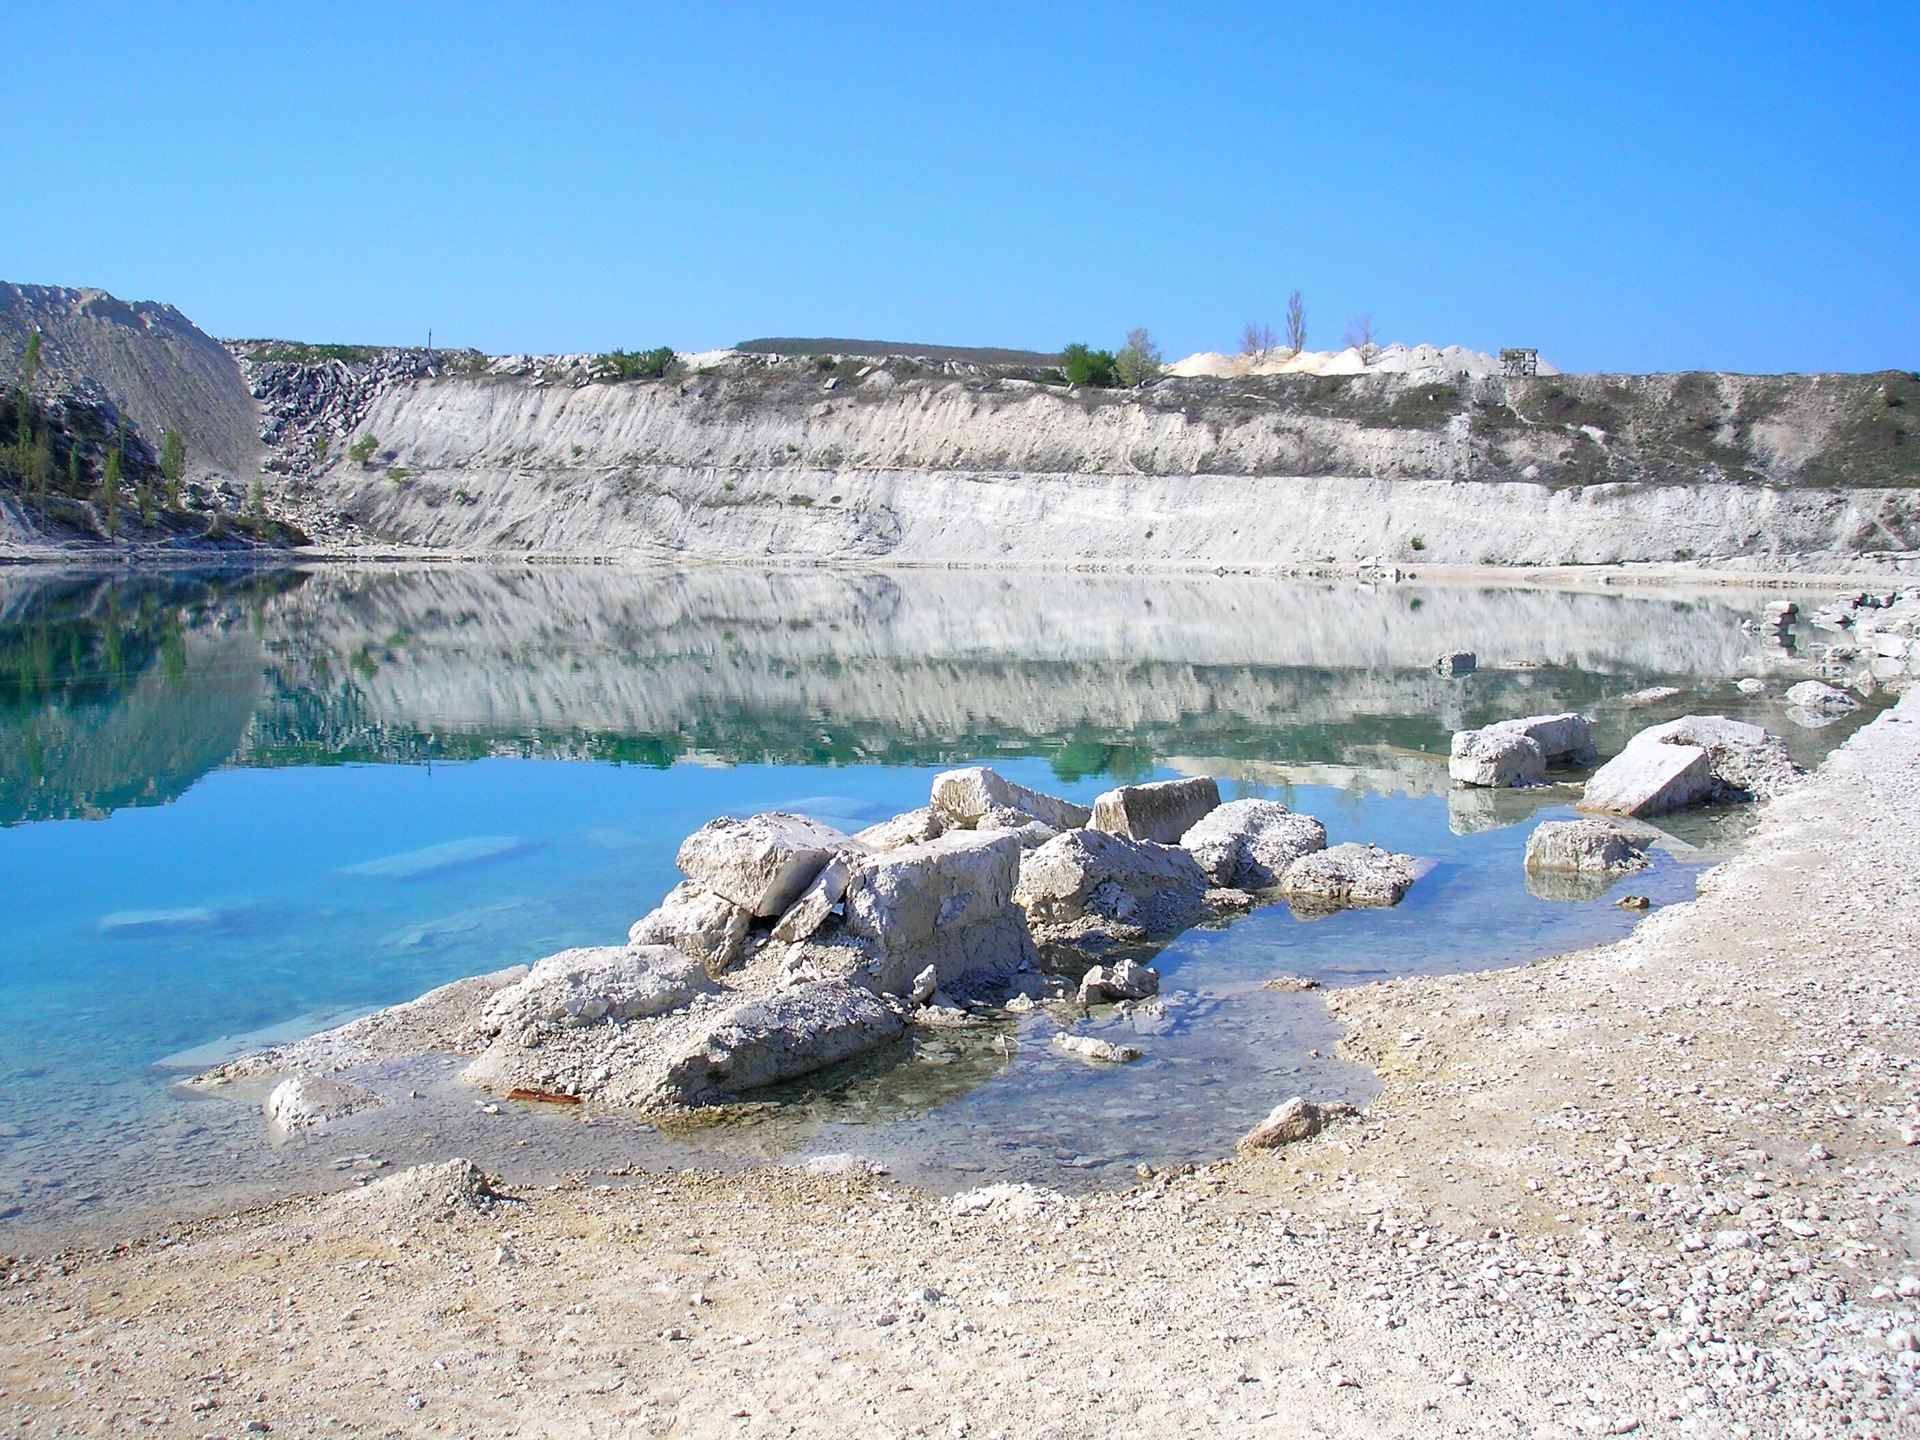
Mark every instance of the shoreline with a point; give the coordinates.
(1665, 1181)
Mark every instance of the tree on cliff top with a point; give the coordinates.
(1139, 360)
(1088, 367)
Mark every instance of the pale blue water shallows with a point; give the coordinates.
(236, 808)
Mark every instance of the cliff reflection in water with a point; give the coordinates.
(123, 691)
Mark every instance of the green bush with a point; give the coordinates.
(361, 451)
(1082, 366)
(634, 364)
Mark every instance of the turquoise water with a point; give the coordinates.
(241, 808)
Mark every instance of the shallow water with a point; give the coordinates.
(238, 809)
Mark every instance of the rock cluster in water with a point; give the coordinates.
(792, 945)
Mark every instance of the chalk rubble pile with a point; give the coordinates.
(792, 945)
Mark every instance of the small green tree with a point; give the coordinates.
(1139, 359)
(320, 448)
(110, 491)
(76, 476)
(361, 451)
(173, 464)
(1087, 367)
(257, 502)
(30, 360)
(39, 474)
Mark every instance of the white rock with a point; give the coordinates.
(816, 902)
(1091, 1047)
(586, 986)
(1744, 760)
(697, 922)
(1604, 846)
(1125, 980)
(1350, 874)
(1565, 738)
(1650, 780)
(792, 1033)
(761, 863)
(1248, 844)
(1087, 871)
(1496, 759)
(945, 903)
(1821, 698)
(309, 1102)
(961, 798)
(909, 829)
(1162, 811)
(1752, 686)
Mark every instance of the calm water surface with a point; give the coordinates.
(240, 808)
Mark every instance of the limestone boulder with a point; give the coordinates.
(1248, 844)
(1349, 875)
(816, 903)
(1564, 739)
(962, 798)
(1744, 760)
(1287, 1123)
(911, 828)
(1650, 779)
(1496, 759)
(779, 1037)
(761, 863)
(1590, 846)
(1148, 885)
(1162, 811)
(584, 987)
(1095, 1050)
(708, 927)
(1821, 698)
(945, 903)
(1125, 980)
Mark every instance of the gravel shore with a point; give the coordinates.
(1664, 1187)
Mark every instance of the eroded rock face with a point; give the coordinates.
(964, 798)
(584, 987)
(1650, 779)
(1564, 739)
(1349, 875)
(1592, 846)
(1138, 882)
(311, 1102)
(1162, 811)
(1744, 760)
(708, 927)
(1248, 844)
(761, 863)
(1496, 759)
(780, 1037)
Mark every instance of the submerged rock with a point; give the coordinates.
(1496, 759)
(584, 987)
(1162, 811)
(1248, 844)
(1593, 846)
(962, 799)
(708, 927)
(311, 1102)
(780, 1037)
(762, 863)
(1091, 1047)
(1349, 874)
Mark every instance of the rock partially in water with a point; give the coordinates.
(1089, 875)
(312, 1102)
(1819, 698)
(586, 986)
(761, 863)
(1496, 759)
(1124, 980)
(780, 1037)
(963, 798)
(1248, 844)
(1746, 762)
(1593, 846)
(1650, 779)
(1163, 811)
(1349, 875)
(1564, 739)
(1288, 1123)
(708, 927)
(945, 903)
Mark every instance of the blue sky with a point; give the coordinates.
(1628, 187)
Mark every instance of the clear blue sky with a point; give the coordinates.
(1628, 187)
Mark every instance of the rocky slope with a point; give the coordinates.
(750, 457)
